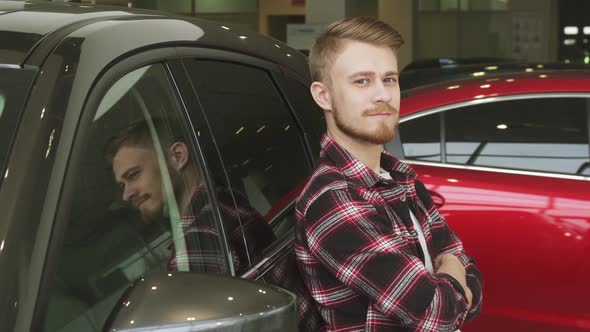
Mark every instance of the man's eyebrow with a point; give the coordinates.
(362, 73)
(372, 74)
(129, 170)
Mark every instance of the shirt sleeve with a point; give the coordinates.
(361, 249)
(445, 240)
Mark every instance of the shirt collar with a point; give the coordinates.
(356, 171)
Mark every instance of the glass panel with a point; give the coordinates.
(259, 142)
(311, 114)
(431, 27)
(485, 35)
(449, 5)
(428, 5)
(548, 135)
(140, 204)
(488, 5)
(226, 6)
(421, 138)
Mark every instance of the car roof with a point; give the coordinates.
(412, 78)
(29, 31)
(486, 87)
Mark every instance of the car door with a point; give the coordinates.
(511, 177)
(264, 156)
(104, 239)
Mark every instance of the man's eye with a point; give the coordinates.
(390, 80)
(361, 81)
(133, 175)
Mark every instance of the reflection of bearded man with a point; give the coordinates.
(137, 171)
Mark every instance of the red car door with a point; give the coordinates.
(530, 235)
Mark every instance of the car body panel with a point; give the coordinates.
(508, 219)
(485, 88)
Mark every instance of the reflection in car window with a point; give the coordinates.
(421, 138)
(2, 102)
(259, 143)
(262, 150)
(141, 204)
(543, 134)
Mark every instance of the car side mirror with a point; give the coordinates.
(183, 301)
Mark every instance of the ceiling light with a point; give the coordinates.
(571, 30)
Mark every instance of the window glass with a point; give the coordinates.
(311, 114)
(141, 204)
(14, 86)
(544, 134)
(421, 138)
(259, 142)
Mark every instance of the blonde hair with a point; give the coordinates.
(362, 29)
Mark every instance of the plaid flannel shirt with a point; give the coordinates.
(359, 254)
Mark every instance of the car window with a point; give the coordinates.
(141, 203)
(538, 134)
(311, 114)
(421, 138)
(260, 145)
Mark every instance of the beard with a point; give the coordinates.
(382, 135)
(151, 215)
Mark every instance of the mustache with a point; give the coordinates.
(135, 202)
(380, 109)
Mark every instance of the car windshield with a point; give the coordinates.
(14, 87)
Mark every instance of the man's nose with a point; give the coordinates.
(383, 93)
(128, 192)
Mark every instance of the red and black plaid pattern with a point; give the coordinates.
(359, 254)
(203, 240)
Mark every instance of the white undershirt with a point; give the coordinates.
(418, 228)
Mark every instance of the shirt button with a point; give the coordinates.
(403, 198)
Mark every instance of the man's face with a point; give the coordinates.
(364, 92)
(137, 172)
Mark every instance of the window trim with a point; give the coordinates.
(499, 170)
(443, 109)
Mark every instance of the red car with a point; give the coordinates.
(506, 159)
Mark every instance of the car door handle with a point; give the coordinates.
(437, 198)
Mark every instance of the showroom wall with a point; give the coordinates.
(517, 29)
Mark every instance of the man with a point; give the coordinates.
(374, 252)
(134, 161)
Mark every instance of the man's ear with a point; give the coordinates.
(321, 95)
(178, 155)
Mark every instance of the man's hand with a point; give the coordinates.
(451, 265)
